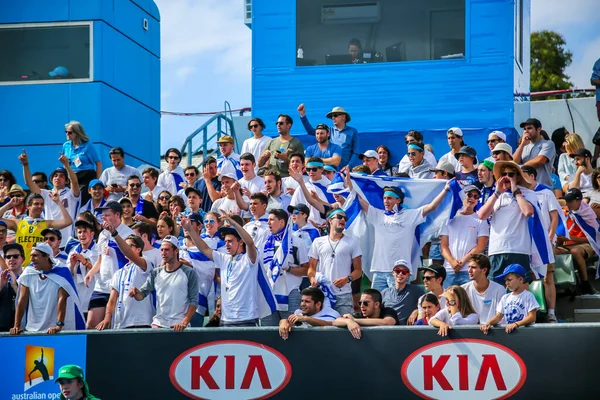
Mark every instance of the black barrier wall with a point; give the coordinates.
(541, 362)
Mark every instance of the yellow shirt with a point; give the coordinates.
(29, 232)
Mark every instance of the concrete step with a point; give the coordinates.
(565, 307)
(587, 315)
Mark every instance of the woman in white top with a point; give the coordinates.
(458, 311)
(566, 164)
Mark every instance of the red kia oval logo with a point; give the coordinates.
(230, 369)
(464, 369)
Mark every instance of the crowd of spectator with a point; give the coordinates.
(125, 248)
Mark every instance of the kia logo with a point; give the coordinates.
(464, 369)
(230, 369)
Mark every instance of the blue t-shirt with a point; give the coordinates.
(331, 150)
(595, 76)
(82, 158)
(347, 139)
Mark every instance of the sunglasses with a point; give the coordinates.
(492, 141)
(209, 221)
(191, 174)
(173, 158)
(69, 132)
(3, 180)
(401, 271)
(50, 239)
(473, 196)
(410, 141)
(2, 231)
(38, 181)
(427, 278)
(135, 185)
(254, 126)
(365, 303)
(296, 212)
(411, 153)
(12, 196)
(279, 123)
(335, 115)
(509, 174)
(340, 216)
(312, 169)
(12, 256)
(164, 197)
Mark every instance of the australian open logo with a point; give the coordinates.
(39, 365)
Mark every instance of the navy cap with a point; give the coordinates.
(438, 270)
(61, 170)
(194, 190)
(531, 121)
(196, 217)
(300, 207)
(581, 153)
(467, 151)
(53, 231)
(111, 205)
(227, 230)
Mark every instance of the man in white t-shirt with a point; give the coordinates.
(312, 312)
(316, 183)
(485, 295)
(176, 287)
(228, 203)
(110, 260)
(333, 255)
(144, 231)
(150, 179)
(173, 177)
(455, 141)
(250, 183)
(238, 272)
(115, 177)
(81, 259)
(462, 237)
(258, 227)
(289, 184)
(257, 144)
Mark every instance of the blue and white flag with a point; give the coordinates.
(586, 220)
(231, 164)
(327, 288)
(274, 260)
(267, 304)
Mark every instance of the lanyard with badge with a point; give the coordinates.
(230, 269)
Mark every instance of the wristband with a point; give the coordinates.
(114, 234)
(497, 193)
(516, 192)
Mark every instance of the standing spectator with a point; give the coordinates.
(82, 156)
(370, 159)
(595, 80)
(502, 152)
(458, 311)
(384, 161)
(509, 211)
(194, 201)
(9, 288)
(18, 210)
(173, 177)
(40, 179)
(494, 138)
(463, 236)
(258, 227)
(210, 185)
(279, 149)
(127, 217)
(229, 187)
(3, 234)
(330, 153)
(467, 158)
(53, 238)
(191, 176)
(456, 142)
(289, 184)
(81, 259)
(415, 137)
(312, 312)
(333, 256)
(403, 296)
(566, 163)
(144, 231)
(250, 183)
(519, 307)
(273, 187)
(430, 306)
(115, 177)
(7, 180)
(144, 209)
(443, 170)
(176, 289)
(150, 179)
(372, 313)
(302, 229)
(96, 199)
(419, 167)
(535, 151)
(316, 183)
(433, 278)
(582, 179)
(485, 295)
(257, 144)
(341, 134)
(228, 156)
(487, 183)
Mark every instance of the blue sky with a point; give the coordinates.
(206, 54)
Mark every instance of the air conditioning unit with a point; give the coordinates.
(355, 13)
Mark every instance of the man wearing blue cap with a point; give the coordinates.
(519, 307)
(316, 183)
(330, 153)
(97, 199)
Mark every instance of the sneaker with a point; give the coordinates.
(552, 319)
(587, 288)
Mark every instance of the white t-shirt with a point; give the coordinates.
(52, 210)
(83, 291)
(110, 262)
(337, 265)
(166, 179)
(238, 287)
(585, 182)
(463, 232)
(129, 311)
(255, 147)
(153, 256)
(394, 237)
(457, 319)
(307, 233)
(42, 308)
(509, 232)
(485, 304)
(254, 185)
(298, 198)
(259, 231)
(112, 175)
(449, 157)
(547, 203)
(516, 307)
(228, 205)
(205, 271)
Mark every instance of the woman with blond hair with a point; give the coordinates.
(82, 156)
(566, 164)
(458, 311)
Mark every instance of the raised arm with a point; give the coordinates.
(250, 247)
(307, 126)
(72, 175)
(59, 223)
(239, 199)
(126, 249)
(348, 184)
(198, 242)
(10, 222)
(296, 175)
(212, 192)
(33, 187)
(488, 208)
(437, 201)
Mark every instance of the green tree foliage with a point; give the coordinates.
(549, 58)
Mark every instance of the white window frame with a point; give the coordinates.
(90, 24)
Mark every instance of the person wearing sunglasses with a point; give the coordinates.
(414, 137)
(256, 144)
(13, 257)
(494, 138)
(191, 177)
(144, 210)
(334, 256)
(53, 238)
(330, 153)
(535, 151)
(40, 179)
(173, 176)
(433, 279)
(463, 236)
(403, 296)
(502, 152)
(419, 167)
(302, 229)
(458, 311)
(341, 134)
(316, 183)
(277, 155)
(372, 313)
(455, 142)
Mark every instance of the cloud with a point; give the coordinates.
(562, 13)
(185, 71)
(580, 70)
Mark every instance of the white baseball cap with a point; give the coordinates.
(456, 131)
(171, 239)
(369, 154)
(46, 249)
(498, 134)
(403, 263)
(503, 147)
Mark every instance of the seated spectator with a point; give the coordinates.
(372, 313)
(494, 138)
(176, 289)
(256, 144)
(150, 179)
(289, 185)
(173, 177)
(7, 180)
(191, 177)
(127, 217)
(430, 305)
(415, 137)
(312, 312)
(403, 296)
(370, 159)
(162, 202)
(329, 153)
(81, 259)
(329, 172)
(456, 142)
(228, 155)
(419, 167)
(467, 158)
(593, 196)
(582, 179)
(18, 210)
(484, 294)
(176, 210)
(566, 164)
(536, 151)
(519, 307)
(579, 217)
(250, 183)
(277, 155)
(123, 310)
(458, 311)
(461, 237)
(115, 177)
(215, 319)
(502, 152)
(487, 183)
(384, 161)
(210, 185)
(144, 210)
(433, 278)
(9, 287)
(558, 138)
(97, 200)
(443, 170)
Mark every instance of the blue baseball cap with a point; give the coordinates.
(59, 71)
(61, 170)
(512, 269)
(2, 223)
(95, 182)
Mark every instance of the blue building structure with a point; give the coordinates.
(422, 65)
(106, 56)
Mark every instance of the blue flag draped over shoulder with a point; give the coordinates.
(62, 276)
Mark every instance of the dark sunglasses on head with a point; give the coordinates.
(509, 174)
(254, 126)
(312, 169)
(411, 153)
(164, 197)
(365, 303)
(50, 239)
(11, 256)
(135, 185)
(427, 278)
(279, 123)
(473, 196)
(400, 271)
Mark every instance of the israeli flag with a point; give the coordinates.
(586, 220)
(231, 164)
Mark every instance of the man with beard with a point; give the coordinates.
(312, 312)
(330, 153)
